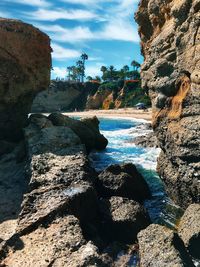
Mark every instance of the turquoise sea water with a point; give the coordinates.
(120, 133)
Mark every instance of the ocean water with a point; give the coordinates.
(121, 149)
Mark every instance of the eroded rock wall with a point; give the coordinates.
(25, 62)
(170, 43)
(63, 96)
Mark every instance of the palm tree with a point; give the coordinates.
(74, 74)
(69, 69)
(84, 57)
(80, 70)
(126, 70)
(103, 69)
(97, 78)
(135, 65)
(89, 78)
(112, 69)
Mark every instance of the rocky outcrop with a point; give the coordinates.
(124, 181)
(61, 196)
(123, 218)
(64, 221)
(189, 229)
(96, 101)
(169, 32)
(63, 96)
(159, 246)
(25, 62)
(86, 129)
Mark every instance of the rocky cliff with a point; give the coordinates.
(63, 96)
(66, 218)
(25, 62)
(170, 43)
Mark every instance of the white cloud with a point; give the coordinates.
(5, 15)
(119, 29)
(119, 24)
(58, 72)
(36, 3)
(67, 35)
(88, 2)
(94, 58)
(93, 71)
(60, 53)
(114, 30)
(60, 13)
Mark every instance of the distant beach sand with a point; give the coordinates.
(114, 113)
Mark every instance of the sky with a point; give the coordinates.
(103, 29)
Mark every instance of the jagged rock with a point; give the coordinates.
(64, 96)
(123, 218)
(59, 96)
(160, 246)
(43, 137)
(96, 101)
(61, 184)
(47, 169)
(189, 229)
(87, 130)
(87, 255)
(47, 244)
(79, 200)
(123, 180)
(149, 140)
(93, 124)
(108, 103)
(25, 62)
(169, 32)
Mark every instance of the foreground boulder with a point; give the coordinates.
(43, 137)
(60, 202)
(124, 218)
(169, 32)
(25, 62)
(123, 180)
(160, 246)
(87, 130)
(189, 230)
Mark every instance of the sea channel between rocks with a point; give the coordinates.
(121, 134)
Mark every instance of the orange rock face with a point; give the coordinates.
(170, 42)
(25, 63)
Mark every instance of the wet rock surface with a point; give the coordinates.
(169, 32)
(149, 140)
(25, 61)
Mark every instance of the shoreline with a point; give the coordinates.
(125, 113)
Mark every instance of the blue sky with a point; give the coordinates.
(104, 29)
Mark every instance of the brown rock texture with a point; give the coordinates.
(25, 62)
(189, 229)
(96, 101)
(63, 96)
(160, 246)
(170, 43)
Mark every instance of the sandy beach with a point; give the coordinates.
(115, 113)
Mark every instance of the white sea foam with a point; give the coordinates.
(121, 149)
